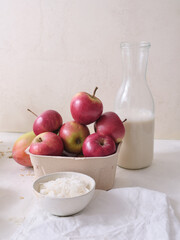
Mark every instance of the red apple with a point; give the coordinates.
(110, 124)
(73, 135)
(96, 145)
(47, 143)
(86, 108)
(19, 147)
(48, 121)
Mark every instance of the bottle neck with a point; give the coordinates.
(134, 60)
(134, 94)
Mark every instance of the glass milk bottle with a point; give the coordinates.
(134, 102)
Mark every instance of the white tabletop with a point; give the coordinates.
(16, 181)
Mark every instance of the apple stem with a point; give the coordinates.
(94, 91)
(125, 120)
(39, 139)
(32, 112)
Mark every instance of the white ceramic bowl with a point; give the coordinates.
(64, 206)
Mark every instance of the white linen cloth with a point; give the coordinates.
(118, 214)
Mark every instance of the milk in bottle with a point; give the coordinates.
(135, 103)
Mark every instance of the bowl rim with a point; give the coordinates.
(62, 172)
(75, 158)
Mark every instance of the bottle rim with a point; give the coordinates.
(141, 44)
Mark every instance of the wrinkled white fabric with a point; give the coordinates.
(118, 214)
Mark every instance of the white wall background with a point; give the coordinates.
(51, 49)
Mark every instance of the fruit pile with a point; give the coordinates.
(51, 137)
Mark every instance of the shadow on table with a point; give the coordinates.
(8, 199)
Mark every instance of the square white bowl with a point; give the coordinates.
(101, 169)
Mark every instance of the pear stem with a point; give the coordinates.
(125, 120)
(94, 91)
(32, 112)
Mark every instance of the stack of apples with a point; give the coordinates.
(51, 137)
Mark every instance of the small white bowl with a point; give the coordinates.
(64, 206)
